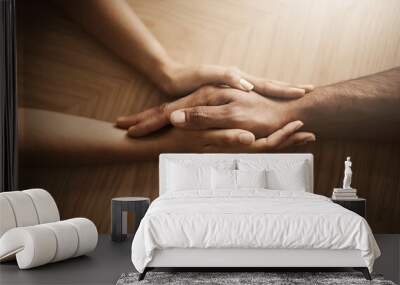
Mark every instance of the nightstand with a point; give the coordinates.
(119, 215)
(358, 206)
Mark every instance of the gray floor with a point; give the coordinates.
(102, 266)
(110, 260)
(389, 262)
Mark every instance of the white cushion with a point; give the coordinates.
(231, 180)
(87, 233)
(237, 161)
(290, 179)
(292, 175)
(217, 164)
(41, 244)
(33, 246)
(45, 205)
(23, 208)
(251, 178)
(224, 179)
(183, 177)
(26, 208)
(67, 239)
(7, 218)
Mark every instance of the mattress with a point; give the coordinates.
(252, 219)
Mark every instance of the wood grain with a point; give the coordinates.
(61, 68)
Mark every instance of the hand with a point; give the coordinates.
(231, 140)
(212, 107)
(179, 80)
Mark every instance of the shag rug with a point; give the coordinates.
(243, 278)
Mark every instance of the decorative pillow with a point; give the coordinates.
(181, 178)
(224, 179)
(281, 174)
(217, 164)
(251, 178)
(290, 179)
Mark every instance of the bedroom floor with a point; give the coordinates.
(110, 260)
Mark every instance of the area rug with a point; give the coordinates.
(244, 278)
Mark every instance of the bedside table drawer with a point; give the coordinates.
(358, 206)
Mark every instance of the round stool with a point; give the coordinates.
(119, 215)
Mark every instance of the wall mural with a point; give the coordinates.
(98, 102)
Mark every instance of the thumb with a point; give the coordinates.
(200, 118)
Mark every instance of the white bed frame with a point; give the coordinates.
(254, 258)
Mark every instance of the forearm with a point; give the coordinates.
(117, 26)
(363, 108)
(50, 138)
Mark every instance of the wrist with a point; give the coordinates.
(273, 115)
(166, 75)
(305, 108)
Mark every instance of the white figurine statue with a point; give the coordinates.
(347, 174)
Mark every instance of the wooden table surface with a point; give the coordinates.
(62, 68)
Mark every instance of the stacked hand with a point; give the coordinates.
(227, 141)
(209, 108)
(180, 80)
(248, 118)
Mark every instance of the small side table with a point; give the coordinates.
(358, 206)
(119, 215)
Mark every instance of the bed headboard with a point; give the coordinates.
(210, 158)
(215, 158)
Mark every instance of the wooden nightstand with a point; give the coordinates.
(358, 206)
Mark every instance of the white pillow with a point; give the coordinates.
(181, 178)
(223, 179)
(288, 179)
(217, 164)
(281, 174)
(251, 178)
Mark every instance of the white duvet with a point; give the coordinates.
(250, 219)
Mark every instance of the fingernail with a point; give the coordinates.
(245, 138)
(296, 92)
(307, 140)
(299, 124)
(310, 139)
(131, 131)
(178, 117)
(309, 87)
(246, 85)
(302, 91)
(119, 119)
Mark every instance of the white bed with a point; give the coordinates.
(234, 220)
